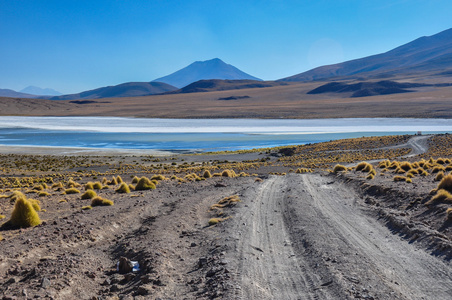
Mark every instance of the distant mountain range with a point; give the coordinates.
(425, 54)
(14, 94)
(129, 89)
(202, 70)
(34, 90)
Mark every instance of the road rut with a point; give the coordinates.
(309, 237)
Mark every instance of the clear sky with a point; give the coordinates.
(76, 45)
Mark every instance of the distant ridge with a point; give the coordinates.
(205, 70)
(129, 89)
(212, 85)
(425, 54)
(34, 90)
(14, 94)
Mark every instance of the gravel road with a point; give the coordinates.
(309, 237)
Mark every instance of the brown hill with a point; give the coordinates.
(129, 89)
(212, 85)
(425, 54)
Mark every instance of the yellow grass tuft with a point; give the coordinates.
(98, 201)
(24, 215)
(446, 183)
(89, 194)
(442, 196)
(144, 184)
(364, 167)
(71, 191)
(123, 188)
(339, 168)
(207, 174)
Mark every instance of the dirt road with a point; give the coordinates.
(308, 237)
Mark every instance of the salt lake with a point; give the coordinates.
(201, 135)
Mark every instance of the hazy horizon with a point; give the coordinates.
(72, 46)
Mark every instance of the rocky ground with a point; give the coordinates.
(315, 235)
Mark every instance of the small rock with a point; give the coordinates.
(114, 288)
(143, 290)
(106, 282)
(202, 262)
(193, 245)
(11, 280)
(45, 282)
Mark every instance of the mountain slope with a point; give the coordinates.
(11, 93)
(34, 90)
(204, 70)
(129, 89)
(212, 85)
(428, 53)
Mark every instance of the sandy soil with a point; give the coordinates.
(310, 236)
(289, 101)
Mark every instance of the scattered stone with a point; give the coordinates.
(11, 280)
(143, 290)
(45, 282)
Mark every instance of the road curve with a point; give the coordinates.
(308, 237)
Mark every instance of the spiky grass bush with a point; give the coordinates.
(99, 201)
(442, 196)
(449, 214)
(113, 181)
(439, 176)
(446, 183)
(406, 166)
(214, 221)
(131, 187)
(36, 204)
(87, 207)
(339, 168)
(136, 179)
(89, 186)
(364, 167)
(119, 180)
(399, 178)
(123, 189)
(97, 185)
(228, 173)
(43, 194)
(370, 176)
(24, 215)
(88, 194)
(72, 184)
(158, 177)
(207, 174)
(71, 191)
(144, 184)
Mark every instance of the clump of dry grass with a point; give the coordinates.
(442, 196)
(97, 185)
(449, 214)
(446, 183)
(214, 221)
(89, 194)
(24, 215)
(228, 173)
(339, 168)
(439, 176)
(135, 179)
(144, 184)
(123, 189)
(399, 178)
(364, 167)
(87, 207)
(71, 191)
(99, 201)
(89, 186)
(207, 174)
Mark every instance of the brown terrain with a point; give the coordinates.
(286, 223)
(281, 101)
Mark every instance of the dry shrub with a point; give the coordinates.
(442, 196)
(339, 168)
(439, 176)
(24, 215)
(97, 185)
(99, 201)
(144, 184)
(214, 221)
(399, 178)
(89, 194)
(406, 166)
(364, 167)
(119, 179)
(446, 183)
(158, 177)
(89, 186)
(113, 181)
(207, 174)
(136, 179)
(228, 173)
(71, 191)
(123, 188)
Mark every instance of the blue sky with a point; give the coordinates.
(78, 45)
